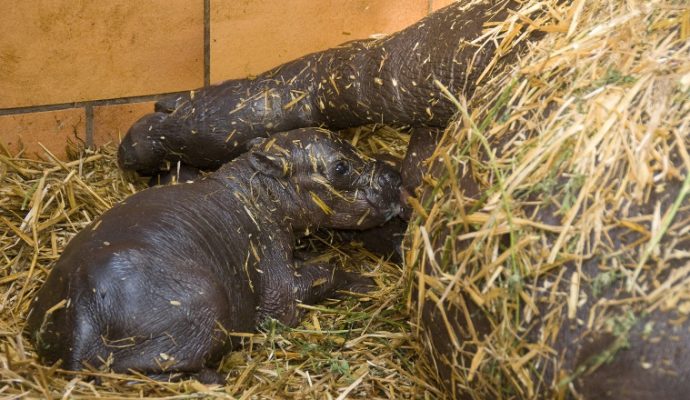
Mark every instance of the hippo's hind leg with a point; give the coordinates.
(172, 320)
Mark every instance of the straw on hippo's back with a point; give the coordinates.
(156, 283)
(391, 80)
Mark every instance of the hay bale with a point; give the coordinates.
(556, 212)
(358, 348)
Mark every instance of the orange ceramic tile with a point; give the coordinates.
(249, 37)
(436, 4)
(52, 129)
(61, 51)
(110, 123)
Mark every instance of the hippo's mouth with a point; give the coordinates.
(393, 211)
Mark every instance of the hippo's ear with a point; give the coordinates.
(269, 164)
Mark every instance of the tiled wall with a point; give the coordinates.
(84, 71)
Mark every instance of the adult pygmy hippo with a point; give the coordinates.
(393, 80)
(157, 282)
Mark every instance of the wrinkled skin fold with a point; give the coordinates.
(157, 282)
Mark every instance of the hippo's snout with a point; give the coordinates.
(388, 179)
(384, 178)
(137, 151)
(385, 191)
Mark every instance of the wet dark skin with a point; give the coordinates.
(384, 240)
(391, 80)
(155, 284)
(631, 350)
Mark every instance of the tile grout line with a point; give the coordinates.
(88, 126)
(88, 105)
(207, 42)
(93, 103)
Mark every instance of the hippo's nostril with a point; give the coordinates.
(397, 181)
(389, 180)
(382, 180)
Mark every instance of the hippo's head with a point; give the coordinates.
(333, 185)
(138, 151)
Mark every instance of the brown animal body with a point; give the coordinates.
(641, 355)
(608, 342)
(158, 281)
(391, 80)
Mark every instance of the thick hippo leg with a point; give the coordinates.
(319, 281)
(312, 282)
(391, 80)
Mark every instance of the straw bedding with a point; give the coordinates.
(557, 199)
(357, 348)
(575, 157)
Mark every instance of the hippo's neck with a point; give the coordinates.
(275, 198)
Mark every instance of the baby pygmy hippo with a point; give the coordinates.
(157, 282)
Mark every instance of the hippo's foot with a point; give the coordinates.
(319, 281)
(383, 241)
(169, 103)
(209, 376)
(139, 151)
(353, 282)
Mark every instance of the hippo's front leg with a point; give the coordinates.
(318, 281)
(309, 283)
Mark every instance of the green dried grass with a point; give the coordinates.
(357, 348)
(595, 116)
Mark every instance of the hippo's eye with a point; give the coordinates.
(341, 167)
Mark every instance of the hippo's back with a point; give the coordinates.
(152, 276)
